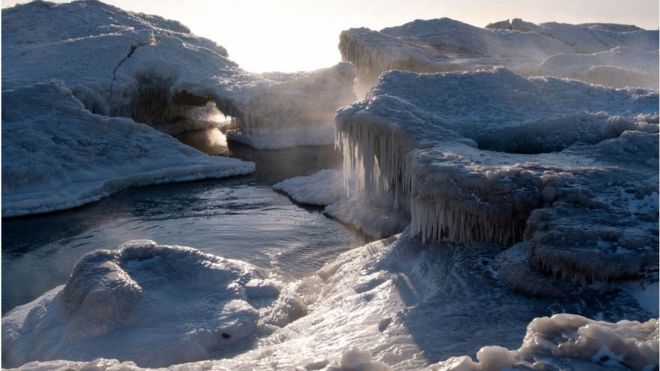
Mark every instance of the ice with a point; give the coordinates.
(569, 341)
(155, 71)
(440, 45)
(491, 156)
(321, 189)
(58, 155)
(154, 305)
(329, 188)
(392, 302)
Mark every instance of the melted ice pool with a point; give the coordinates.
(239, 218)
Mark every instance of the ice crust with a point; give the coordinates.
(585, 207)
(154, 70)
(392, 302)
(154, 305)
(610, 54)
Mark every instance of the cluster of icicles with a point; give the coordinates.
(375, 164)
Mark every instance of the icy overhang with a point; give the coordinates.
(114, 61)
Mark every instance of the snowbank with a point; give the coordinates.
(155, 71)
(155, 305)
(392, 302)
(320, 189)
(441, 45)
(58, 155)
(495, 157)
(569, 341)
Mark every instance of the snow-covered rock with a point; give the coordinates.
(567, 167)
(58, 155)
(154, 305)
(392, 302)
(154, 70)
(441, 45)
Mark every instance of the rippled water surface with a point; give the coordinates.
(240, 218)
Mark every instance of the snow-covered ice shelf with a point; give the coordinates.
(58, 155)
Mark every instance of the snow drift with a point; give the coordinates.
(441, 45)
(58, 155)
(391, 302)
(568, 168)
(155, 71)
(155, 305)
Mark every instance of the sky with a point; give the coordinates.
(296, 35)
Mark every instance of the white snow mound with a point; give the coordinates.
(154, 305)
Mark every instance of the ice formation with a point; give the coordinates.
(320, 189)
(155, 71)
(391, 302)
(373, 217)
(58, 155)
(568, 341)
(491, 156)
(154, 305)
(610, 54)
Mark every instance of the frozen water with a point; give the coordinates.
(127, 64)
(397, 302)
(471, 171)
(153, 304)
(57, 155)
(321, 189)
(440, 45)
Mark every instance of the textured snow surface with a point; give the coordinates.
(155, 305)
(392, 302)
(58, 155)
(569, 168)
(154, 70)
(568, 341)
(609, 54)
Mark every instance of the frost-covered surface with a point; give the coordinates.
(155, 305)
(629, 54)
(154, 70)
(58, 155)
(393, 302)
(568, 341)
(569, 168)
(321, 189)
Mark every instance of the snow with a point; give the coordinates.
(392, 302)
(57, 155)
(538, 159)
(155, 305)
(441, 45)
(127, 64)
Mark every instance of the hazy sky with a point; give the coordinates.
(291, 35)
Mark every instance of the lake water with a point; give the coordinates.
(239, 218)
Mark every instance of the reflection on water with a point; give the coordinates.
(240, 218)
